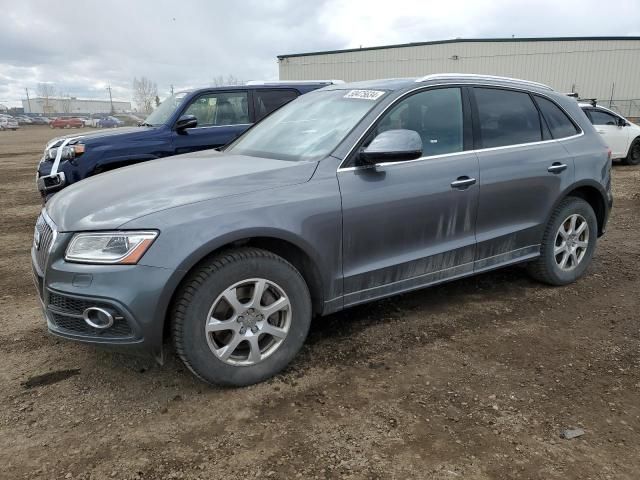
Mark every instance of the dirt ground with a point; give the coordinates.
(471, 380)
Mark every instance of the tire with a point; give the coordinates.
(633, 157)
(547, 267)
(201, 301)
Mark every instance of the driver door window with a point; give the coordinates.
(436, 115)
(218, 109)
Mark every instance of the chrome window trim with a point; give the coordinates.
(454, 85)
(221, 126)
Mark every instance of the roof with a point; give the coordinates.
(460, 40)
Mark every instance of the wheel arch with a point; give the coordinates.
(298, 255)
(594, 195)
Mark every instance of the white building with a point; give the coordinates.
(606, 68)
(72, 105)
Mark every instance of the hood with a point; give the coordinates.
(111, 199)
(96, 136)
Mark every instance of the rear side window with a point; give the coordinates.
(561, 126)
(598, 117)
(266, 101)
(506, 117)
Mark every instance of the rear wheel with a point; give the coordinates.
(241, 317)
(633, 157)
(568, 243)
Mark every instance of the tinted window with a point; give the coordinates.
(506, 117)
(266, 101)
(598, 117)
(560, 125)
(228, 108)
(435, 114)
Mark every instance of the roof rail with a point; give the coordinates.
(472, 76)
(292, 82)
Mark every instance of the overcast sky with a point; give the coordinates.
(83, 45)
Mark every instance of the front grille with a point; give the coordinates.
(43, 244)
(66, 314)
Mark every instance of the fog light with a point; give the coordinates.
(98, 317)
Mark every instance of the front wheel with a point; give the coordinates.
(241, 317)
(568, 243)
(633, 157)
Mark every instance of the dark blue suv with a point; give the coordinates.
(185, 122)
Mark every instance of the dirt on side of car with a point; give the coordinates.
(475, 379)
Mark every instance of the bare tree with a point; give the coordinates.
(65, 102)
(144, 93)
(46, 91)
(219, 81)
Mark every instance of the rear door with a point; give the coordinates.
(222, 117)
(267, 100)
(523, 171)
(614, 135)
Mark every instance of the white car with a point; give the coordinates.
(8, 123)
(622, 136)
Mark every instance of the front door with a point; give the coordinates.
(613, 133)
(222, 117)
(408, 224)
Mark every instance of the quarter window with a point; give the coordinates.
(561, 126)
(266, 101)
(598, 117)
(228, 108)
(506, 117)
(435, 114)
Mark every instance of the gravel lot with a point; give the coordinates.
(471, 380)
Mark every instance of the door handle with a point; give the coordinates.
(557, 167)
(462, 183)
(600, 132)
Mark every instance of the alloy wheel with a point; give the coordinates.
(248, 322)
(572, 242)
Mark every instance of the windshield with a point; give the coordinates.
(161, 114)
(308, 128)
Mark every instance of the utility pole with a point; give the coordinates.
(171, 89)
(28, 100)
(111, 100)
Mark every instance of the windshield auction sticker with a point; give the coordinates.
(364, 94)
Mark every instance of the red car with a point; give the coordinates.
(63, 122)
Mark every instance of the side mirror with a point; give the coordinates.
(393, 146)
(622, 122)
(186, 121)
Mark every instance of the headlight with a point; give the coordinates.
(124, 248)
(68, 152)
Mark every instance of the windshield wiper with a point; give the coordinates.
(144, 124)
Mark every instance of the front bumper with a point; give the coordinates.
(134, 293)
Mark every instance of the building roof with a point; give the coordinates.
(459, 40)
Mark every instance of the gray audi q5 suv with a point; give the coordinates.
(348, 194)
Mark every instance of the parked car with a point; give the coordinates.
(129, 120)
(23, 120)
(346, 195)
(94, 118)
(8, 123)
(186, 122)
(40, 120)
(109, 122)
(66, 122)
(622, 136)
